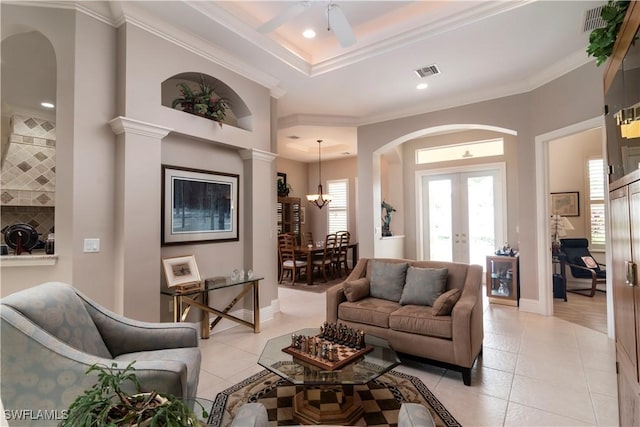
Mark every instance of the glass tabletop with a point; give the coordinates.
(364, 369)
(212, 284)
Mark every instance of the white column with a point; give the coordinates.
(138, 212)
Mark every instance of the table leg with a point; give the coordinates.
(256, 307)
(177, 308)
(204, 326)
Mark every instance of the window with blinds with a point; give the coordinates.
(595, 168)
(339, 207)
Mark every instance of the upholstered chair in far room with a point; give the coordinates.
(583, 267)
(51, 334)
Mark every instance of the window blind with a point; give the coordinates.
(339, 206)
(595, 168)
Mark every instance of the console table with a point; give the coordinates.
(183, 300)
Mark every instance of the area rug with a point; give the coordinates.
(381, 399)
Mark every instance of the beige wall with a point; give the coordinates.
(569, 99)
(109, 186)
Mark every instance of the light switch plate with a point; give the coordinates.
(91, 245)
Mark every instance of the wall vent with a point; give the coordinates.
(430, 70)
(593, 20)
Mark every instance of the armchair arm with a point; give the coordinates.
(335, 294)
(41, 372)
(594, 274)
(123, 335)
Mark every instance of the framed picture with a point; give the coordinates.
(281, 179)
(565, 204)
(199, 206)
(181, 271)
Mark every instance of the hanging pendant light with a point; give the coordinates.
(319, 199)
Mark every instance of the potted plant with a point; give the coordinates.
(203, 101)
(107, 404)
(601, 40)
(283, 188)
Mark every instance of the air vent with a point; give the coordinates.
(593, 20)
(430, 70)
(293, 137)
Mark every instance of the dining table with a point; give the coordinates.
(312, 250)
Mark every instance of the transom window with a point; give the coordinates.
(468, 150)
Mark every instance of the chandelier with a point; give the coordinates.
(319, 199)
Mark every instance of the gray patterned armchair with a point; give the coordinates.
(51, 334)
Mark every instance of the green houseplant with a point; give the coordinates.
(601, 40)
(202, 101)
(107, 404)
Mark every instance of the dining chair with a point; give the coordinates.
(328, 257)
(342, 247)
(288, 260)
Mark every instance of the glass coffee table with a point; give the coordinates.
(327, 396)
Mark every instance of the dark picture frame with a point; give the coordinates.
(199, 206)
(565, 203)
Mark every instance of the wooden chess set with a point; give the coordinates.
(334, 347)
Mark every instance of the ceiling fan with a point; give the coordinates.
(336, 21)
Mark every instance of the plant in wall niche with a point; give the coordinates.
(601, 40)
(107, 404)
(202, 101)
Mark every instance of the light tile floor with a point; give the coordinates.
(535, 370)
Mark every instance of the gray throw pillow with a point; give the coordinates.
(356, 289)
(424, 285)
(387, 279)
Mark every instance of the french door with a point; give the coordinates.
(461, 215)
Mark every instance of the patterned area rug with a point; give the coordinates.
(381, 399)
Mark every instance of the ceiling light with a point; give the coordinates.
(47, 105)
(309, 33)
(422, 86)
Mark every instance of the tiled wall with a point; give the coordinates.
(28, 175)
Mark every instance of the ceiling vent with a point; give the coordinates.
(593, 20)
(430, 70)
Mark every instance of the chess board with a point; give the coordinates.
(346, 355)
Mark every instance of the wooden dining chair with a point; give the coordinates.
(341, 249)
(326, 263)
(288, 260)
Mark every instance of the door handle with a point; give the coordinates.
(631, 273)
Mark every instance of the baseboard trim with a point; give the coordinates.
(532, 306)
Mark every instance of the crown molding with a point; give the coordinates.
(256, 154)
(317, 120)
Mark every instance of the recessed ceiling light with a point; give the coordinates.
(422, 86)
(309, 33)
(47, 105)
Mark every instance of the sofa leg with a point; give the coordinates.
(466, 376)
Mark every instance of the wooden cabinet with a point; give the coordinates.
(503, 279)
(288, 216)
(622, 93)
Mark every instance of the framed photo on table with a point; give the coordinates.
(565, 204)
(181, 271)
(199, 206)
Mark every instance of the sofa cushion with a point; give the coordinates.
(370, 311)
(387, 279)
(445, 302)
(355, 290)
(423, 285)
(419, 319)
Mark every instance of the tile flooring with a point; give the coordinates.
(535, 370)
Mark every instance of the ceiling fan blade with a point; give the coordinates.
(290, 12)
(340, 26)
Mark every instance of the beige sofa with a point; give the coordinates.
(427, 330)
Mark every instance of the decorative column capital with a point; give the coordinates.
(122, 124)
(255, 154)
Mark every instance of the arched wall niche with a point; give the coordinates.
(238, 114)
